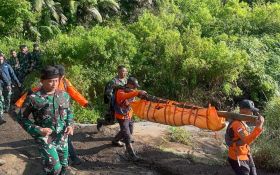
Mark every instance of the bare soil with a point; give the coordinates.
(204, 155)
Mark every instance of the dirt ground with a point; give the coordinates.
(204, 155)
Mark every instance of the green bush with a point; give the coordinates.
(267, 146)
(14, 14)
(179, 135)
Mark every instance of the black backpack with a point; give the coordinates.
(229, 135)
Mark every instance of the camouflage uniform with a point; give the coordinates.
(36, 60)
(49, 111)
(16, 91)
(14, 62)
(25, 61)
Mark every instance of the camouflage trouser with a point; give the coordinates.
(7, 98)
(54, 153)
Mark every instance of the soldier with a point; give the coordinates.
(25, 60)
(14, 62)
(118, 81)
(65, 85)
(123, 113)
(52, 124)
(11, 76)
(36, 57)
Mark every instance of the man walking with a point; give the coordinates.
(52, 124)
(11, 76)
(238, 138)
(123, 113)
(119, 81)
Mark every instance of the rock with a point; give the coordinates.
(2, 162)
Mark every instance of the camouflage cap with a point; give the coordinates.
(49, 72)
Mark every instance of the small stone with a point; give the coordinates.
(2, 162)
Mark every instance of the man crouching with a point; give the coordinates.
(52, 124)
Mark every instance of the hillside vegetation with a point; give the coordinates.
(200, 51)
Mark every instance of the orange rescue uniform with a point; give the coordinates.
(122, 99)
(241, 133)
(64, 85)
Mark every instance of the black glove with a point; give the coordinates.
(89, 105)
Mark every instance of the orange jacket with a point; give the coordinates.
(64, 85)
(122, 99)
(241, 150)
(67, 86)
(21, 100)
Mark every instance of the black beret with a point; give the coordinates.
(49, 72)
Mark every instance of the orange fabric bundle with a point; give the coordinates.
(177, 114)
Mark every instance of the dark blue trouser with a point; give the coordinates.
(126, 130)
(244, 167)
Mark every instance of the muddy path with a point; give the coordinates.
(204, 155)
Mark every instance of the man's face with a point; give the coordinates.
(24, 50)
(1, 59)
(131, 86)
(14, 54)
(122, 73)
(50, 85)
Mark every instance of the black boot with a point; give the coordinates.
(131, 153)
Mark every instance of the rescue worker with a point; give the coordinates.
(118, 81)
(11, 76)
(53, 122)
(123, 113)
(238, 139)
(65, 85)
(36, 57)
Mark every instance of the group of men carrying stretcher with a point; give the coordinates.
(49, 105)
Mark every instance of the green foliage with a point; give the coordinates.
(179, 135)
(267, 147)
(13, 16)
(8, 43)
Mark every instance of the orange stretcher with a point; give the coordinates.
(178, 114)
